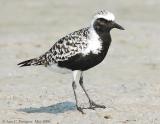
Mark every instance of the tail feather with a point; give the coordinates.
(30, 62)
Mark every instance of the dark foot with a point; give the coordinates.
(80, 110)
(94, 105)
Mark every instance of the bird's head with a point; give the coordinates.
(104, 21)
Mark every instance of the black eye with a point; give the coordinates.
(101, 25)
(97, 27)
(102, 19)
(102, 22)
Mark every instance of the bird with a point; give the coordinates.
(79, 51)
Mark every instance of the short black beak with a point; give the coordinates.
(115, 25)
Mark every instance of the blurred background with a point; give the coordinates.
(127, 81)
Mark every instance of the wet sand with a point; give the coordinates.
(127, 81)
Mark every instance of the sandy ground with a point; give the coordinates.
(127, 82)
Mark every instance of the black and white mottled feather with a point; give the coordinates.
(62, 50)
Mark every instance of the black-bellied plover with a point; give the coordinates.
(80, 51)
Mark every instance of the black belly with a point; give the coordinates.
(80, 62)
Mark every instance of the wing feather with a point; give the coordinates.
(67, 47)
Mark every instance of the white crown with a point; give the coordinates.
(104, 14)
(101, 14)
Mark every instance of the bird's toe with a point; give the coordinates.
(94, 105)
(80, 110)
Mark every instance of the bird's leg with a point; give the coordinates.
(92, 103)
(74, 87)
(74, 90)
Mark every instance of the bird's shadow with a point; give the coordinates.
(55, 109)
